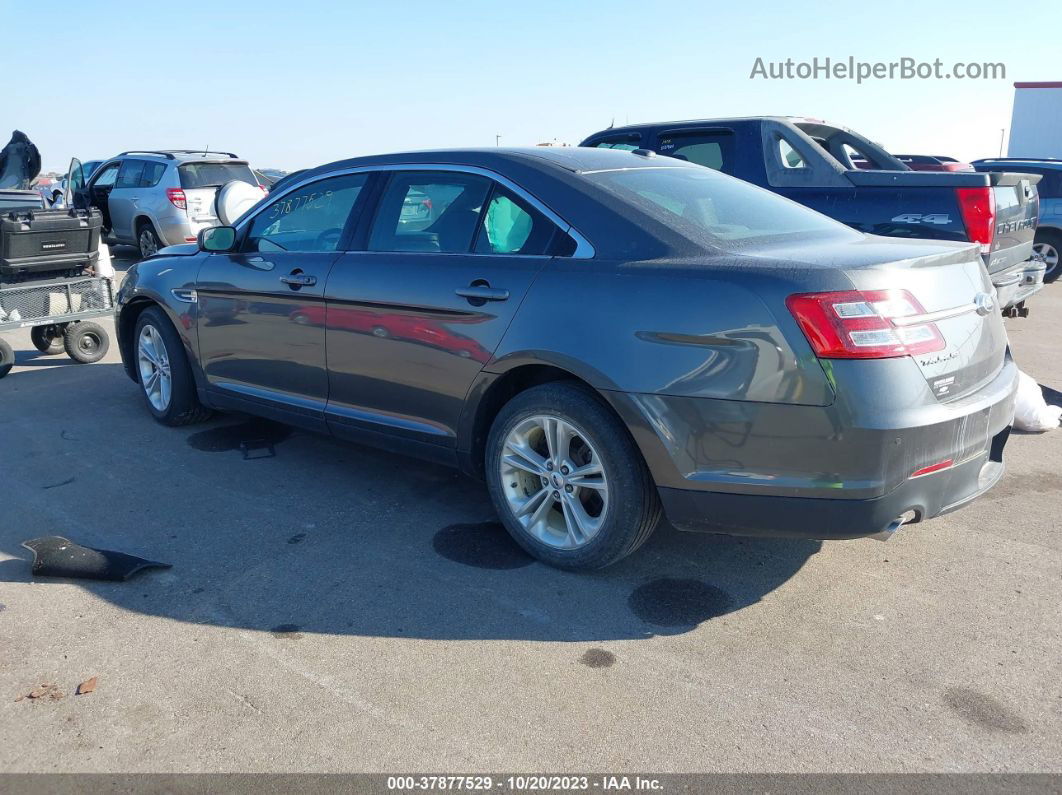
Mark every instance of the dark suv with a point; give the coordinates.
(604, 336)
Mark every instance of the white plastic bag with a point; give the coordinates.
(1031, 412)
(104, 267)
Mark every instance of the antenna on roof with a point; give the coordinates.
(206, 150)
(612, 123)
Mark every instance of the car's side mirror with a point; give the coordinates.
(217, 238)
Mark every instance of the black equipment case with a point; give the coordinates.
(39, 243)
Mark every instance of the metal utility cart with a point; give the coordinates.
(45, 259)
(59, 314)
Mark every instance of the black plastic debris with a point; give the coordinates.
(55, 556)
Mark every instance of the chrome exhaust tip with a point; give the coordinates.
(894, 525)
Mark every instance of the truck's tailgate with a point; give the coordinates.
(1017, 208)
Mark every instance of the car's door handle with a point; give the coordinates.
(299, 280)
(478, 293)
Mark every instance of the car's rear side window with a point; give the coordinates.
(725, 208)
(214, 175)
(626, 142)
(152, 174)
(512, 226)
(432, 211)
(713, 150)
(129, 174)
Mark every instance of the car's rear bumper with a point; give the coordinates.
(1019, 282)
(844, 470)
(807, 517)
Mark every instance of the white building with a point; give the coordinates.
(1036, 124)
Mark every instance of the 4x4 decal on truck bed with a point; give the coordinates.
(918, 218)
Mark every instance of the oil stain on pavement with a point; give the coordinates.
(485, 545)
(598, 658)
(983, 710)
(226, 438)
(667, 602)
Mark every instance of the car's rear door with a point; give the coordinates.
(123, 198)
(261, 308)
(414, 317)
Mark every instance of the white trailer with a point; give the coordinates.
(1036, 123)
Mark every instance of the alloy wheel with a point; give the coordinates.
(148, 244)
(154, 364)
(554, 481)
(1049, 254)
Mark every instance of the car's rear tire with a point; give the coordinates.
(1049, 246)
(163, 371)
(567, 480)
(47, 339)
(147, 239)
(7, 358)
(85, 342)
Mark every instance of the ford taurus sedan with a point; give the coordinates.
(615, 336)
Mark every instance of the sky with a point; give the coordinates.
(296, 84)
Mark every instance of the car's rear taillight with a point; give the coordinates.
(978, 208)
(177, 198)
(864, 324)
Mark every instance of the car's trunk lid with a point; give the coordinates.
(950, 283)
(956, 293)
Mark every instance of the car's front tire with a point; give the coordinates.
(567, 480)
(163, 371)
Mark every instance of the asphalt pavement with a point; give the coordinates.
(336, 608)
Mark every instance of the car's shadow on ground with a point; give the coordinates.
(326, 537)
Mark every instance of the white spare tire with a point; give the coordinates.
(236, 198)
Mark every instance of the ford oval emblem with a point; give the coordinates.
(984, 303)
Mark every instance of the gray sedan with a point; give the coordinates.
(605, 337)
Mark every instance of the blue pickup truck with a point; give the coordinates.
(811, 162)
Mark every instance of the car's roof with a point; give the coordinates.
(570, 158)
(717, 121)
(1024, 161)
(179, 156)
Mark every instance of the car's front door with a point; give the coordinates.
(414, 318)
(261, 308)
(96, 191)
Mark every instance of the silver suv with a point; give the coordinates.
(153, 199)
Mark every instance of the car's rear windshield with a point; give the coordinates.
(214, 175)
(728, 210)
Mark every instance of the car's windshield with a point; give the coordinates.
(725, 208)
(214, 175)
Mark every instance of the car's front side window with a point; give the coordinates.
(434, 212)
(309, 219)
(107, 177)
